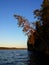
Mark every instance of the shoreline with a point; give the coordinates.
(7, 48)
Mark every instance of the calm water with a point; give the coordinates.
(18, 57)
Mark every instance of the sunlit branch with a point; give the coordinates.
(22, 22)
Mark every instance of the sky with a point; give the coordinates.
(10, 34)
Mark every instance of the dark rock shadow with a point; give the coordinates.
(38, 58)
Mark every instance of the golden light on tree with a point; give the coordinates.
(24, 23)
(38, 37)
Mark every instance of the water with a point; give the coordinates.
(19, 57)
(14, 57)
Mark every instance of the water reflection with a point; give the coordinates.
(36, 58)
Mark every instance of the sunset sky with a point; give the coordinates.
(10, 34)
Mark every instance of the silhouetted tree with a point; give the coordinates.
(42, 26)
(38, 37)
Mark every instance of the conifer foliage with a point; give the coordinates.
(38, 37)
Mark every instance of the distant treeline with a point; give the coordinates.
(13, 48)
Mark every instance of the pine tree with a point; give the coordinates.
(42, 27)
(38, 38)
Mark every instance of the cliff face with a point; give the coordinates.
(35, 43)
(31, 41)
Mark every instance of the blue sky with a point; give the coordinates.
(10, 34)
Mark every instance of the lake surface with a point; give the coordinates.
(18, 57)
